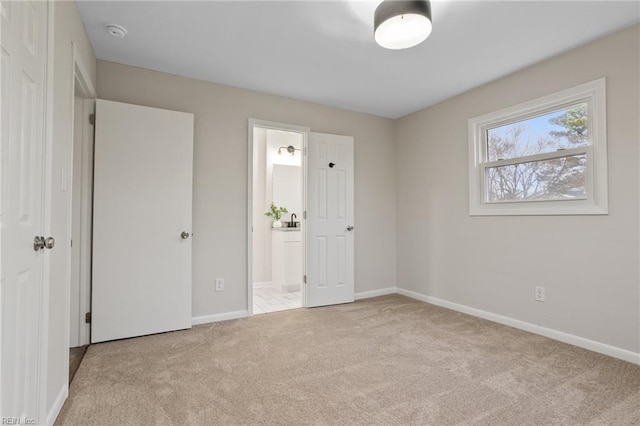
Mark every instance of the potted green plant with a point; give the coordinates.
(276, 214)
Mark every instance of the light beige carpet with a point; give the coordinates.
(387, 360)
(75, 358)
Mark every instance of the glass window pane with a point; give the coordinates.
(562, 129)
(557, 179)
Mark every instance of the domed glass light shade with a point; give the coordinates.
(400, 24)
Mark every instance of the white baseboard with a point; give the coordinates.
(206, 319)
(571, 339)
(375, 293)
(57, 405)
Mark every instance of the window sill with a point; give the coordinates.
(538, 208)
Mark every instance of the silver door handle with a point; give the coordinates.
(349, 228)
(184, 235)
(49, 243)
(38, 243)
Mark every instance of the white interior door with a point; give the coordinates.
(142, 221)
(22, 112)
(330, 233)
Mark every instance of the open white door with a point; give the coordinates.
(142, 221)
(330, 239)
(23, 55)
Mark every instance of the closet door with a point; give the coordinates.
(142, 221)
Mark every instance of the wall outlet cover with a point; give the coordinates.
(219, 284)
(540, 295)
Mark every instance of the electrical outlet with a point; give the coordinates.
(540, 294)
(219, 284)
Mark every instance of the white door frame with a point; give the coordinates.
(273, 126)
(81, 79)
(47, 205)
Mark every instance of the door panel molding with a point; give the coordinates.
(330, 220)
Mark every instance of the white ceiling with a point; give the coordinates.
(324, 52)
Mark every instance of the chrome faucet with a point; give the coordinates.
(292, 224)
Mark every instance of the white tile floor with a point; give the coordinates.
(269, 298)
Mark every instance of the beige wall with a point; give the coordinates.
(588, 264)
(220, 175)
(68, 28)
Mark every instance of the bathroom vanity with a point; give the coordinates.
(286, 258)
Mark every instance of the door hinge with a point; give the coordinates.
(92, 119)
(305, 150)
(304, 214)
(87, 318)
(71, 243)
(304, 279)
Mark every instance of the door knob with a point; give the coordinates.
(38, 243)
(184, 235)
(49, 242)
(349, 228)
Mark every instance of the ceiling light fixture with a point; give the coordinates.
(116, 30)
(401, 24)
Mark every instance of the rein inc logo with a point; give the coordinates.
(17, 421)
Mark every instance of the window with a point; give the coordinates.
(544, 157)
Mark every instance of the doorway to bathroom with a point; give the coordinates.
(300, 218)
(277, 240)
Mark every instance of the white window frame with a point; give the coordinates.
(596, 202)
